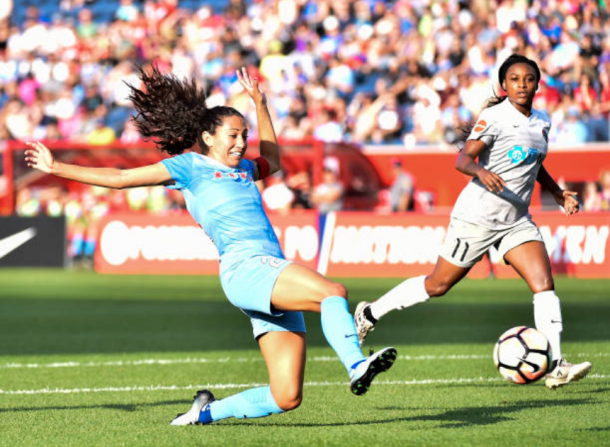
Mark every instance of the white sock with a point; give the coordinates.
(406, 294)
(547, 315)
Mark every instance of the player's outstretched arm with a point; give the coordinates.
(268, 141)
(566, 199)
(466, 164)
(38, 156)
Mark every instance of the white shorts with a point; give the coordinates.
(466, 243)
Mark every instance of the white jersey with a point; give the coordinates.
(516, 147)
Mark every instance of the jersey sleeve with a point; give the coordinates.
(180, 168)
(485, 128)
(248, 166)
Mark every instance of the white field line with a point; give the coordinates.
(187, 360)
(252, 385)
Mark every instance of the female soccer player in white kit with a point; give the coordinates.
(510, 140)
(218, 186)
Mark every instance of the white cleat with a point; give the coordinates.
(362, 376)
(201, 400)
(565, 373)
(363, 324)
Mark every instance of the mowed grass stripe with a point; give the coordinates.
(252, 385)
(148, 362)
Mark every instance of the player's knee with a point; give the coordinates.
(437, 288)
(289, 400)
(543, 285)
(335, 289)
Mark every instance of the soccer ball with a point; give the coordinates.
(522, 355)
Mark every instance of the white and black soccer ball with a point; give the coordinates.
(522, 355)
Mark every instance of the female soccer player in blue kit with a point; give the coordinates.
(218, 186)
(510, 140)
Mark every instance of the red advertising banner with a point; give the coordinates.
(174, 244)
(354, 244)
(368, 245)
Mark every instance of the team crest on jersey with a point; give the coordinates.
(545, 134)
(480, 126)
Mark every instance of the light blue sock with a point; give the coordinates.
(340, 331)
(252, 403)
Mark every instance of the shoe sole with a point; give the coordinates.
(574, 378)
(361, 335)
(379, 365)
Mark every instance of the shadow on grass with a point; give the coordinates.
(463, 417)
(595, 429)
(122, 407)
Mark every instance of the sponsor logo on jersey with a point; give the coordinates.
(480, 126)
(517, 155)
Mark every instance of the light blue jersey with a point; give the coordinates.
(226, 203)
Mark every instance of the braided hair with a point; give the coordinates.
(172, 112)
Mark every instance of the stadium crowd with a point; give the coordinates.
(367, 71)
(404, 72)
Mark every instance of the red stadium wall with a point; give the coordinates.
(353, 244)
(434, 168)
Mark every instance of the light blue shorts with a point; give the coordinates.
(248, 286)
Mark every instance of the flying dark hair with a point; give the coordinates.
(495, 100)
(172, 112)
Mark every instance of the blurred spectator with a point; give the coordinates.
(592, 199)
(573, 129)
(300, 184)
(402, 190)
(604, 180)
(329, 129)
(328, 195)
(384, 71)
(277, 196)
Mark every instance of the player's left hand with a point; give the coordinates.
(569, 202)
(250, 85)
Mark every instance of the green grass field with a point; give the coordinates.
(109, 360)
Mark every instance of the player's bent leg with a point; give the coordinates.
(444, 276)
(531, 261)
(284, 354)
(300, 288)
(408, 293)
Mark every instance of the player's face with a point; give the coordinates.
(520, 86)
(228, 145)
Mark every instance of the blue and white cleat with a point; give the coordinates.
(365, 372)
(202, 399)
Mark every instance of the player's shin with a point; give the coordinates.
(547, 315)
(252, 403)
(340, 331)
(406, 294)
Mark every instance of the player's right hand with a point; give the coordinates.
(38, 156)
(492, 181)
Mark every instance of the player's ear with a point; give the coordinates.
(207, 138)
